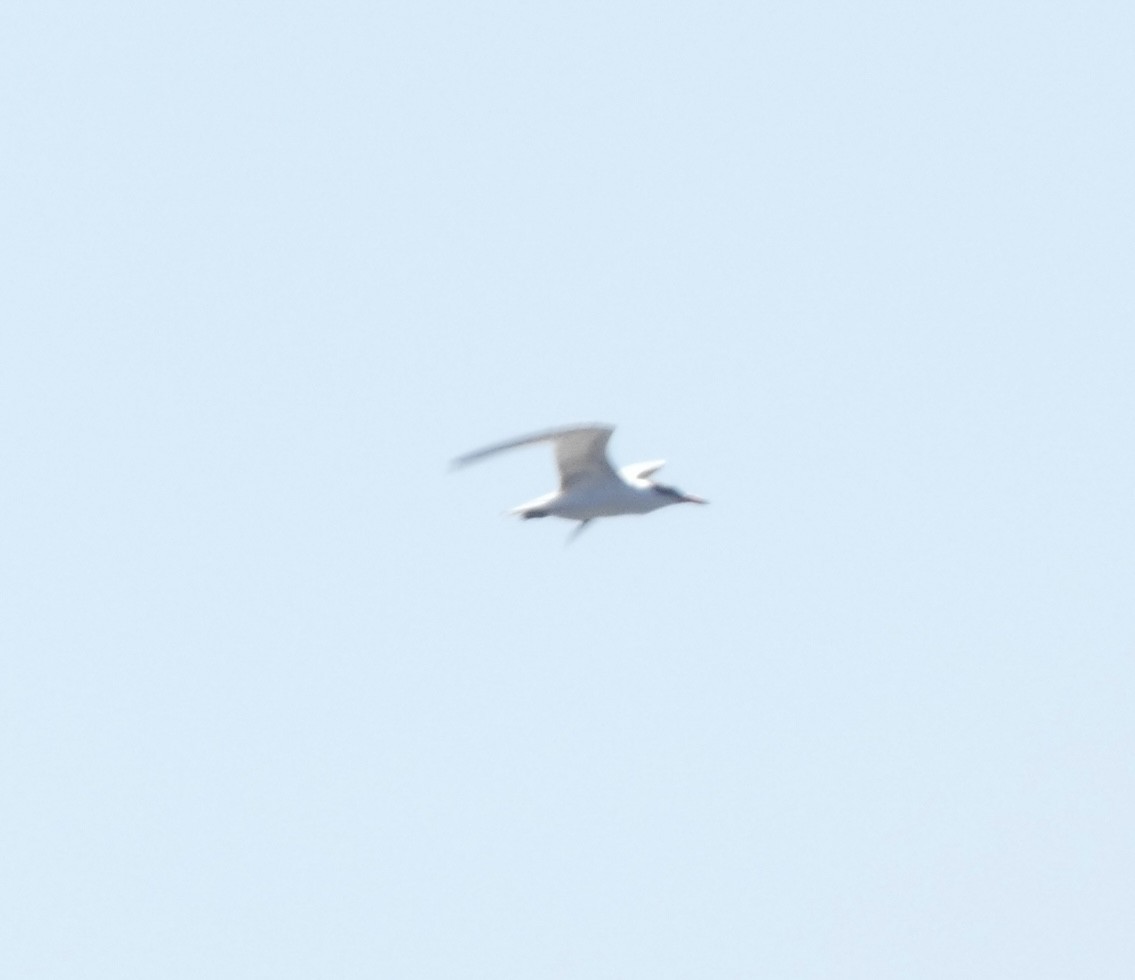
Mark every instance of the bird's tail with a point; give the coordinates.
(531, 509)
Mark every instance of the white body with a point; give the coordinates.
(589, 486)
(588, 499)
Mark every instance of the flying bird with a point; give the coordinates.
(590, 487)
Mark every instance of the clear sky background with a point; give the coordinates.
(284, 698)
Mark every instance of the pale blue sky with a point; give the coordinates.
(284, 698)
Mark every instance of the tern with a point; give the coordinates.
(590, 487)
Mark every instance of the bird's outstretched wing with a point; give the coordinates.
(640, 471)
(581, 451)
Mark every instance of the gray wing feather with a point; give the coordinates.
(581, 451)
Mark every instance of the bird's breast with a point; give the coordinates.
(585, 501)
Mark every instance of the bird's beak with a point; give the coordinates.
(689, 498)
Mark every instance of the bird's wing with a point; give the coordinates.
(581, 451)
(640, 471)
(581, 455)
